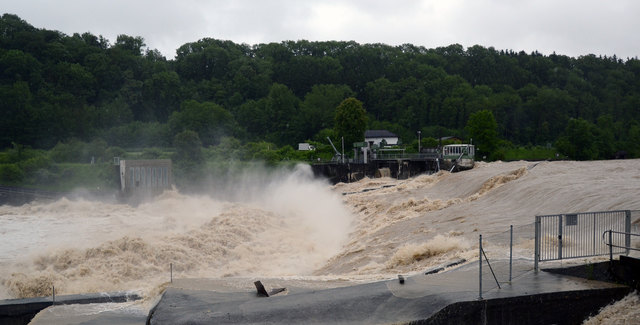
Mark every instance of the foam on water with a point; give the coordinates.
(625, 311)
(392, 214)
(288, 226)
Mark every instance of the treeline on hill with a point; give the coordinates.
(56, 88)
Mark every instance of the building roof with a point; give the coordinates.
(378, 134)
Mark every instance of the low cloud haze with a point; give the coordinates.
(570, 27)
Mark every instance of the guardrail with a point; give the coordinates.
(627, 245)
(388, 156)
(379, 156)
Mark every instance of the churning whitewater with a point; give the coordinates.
(288, 224)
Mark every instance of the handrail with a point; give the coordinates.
(621, 233)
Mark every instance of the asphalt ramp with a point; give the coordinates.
(446, 297)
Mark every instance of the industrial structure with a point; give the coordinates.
(144, 178)
(376, 157)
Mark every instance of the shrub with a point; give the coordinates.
(10, 173)
(151, 153)
(95, 150)
(68, 152)
(114, 152)
(45, 177)
(33, 164)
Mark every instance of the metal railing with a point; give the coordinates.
(554, 237)
(384, 156)
(610, 243)
(389, 156)
(575, 235)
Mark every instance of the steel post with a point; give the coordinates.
(510, 252)
(536, 254)
(480, 268)
(627, 230)
(560, 237)
(610, 247)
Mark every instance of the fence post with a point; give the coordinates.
(510, 252)
(627, 230)
(536, 253)
(610, 247)
(480, 268)
(560, 237)
(595, 238)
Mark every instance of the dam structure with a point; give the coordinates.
(374, 160)
(395, 165)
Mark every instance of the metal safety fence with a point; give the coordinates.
(575, 235)
(504, 256)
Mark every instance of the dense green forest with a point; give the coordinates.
(56, 89)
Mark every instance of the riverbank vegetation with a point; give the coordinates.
(80, 98)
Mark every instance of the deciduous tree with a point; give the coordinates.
(483, 129)
(350, 121)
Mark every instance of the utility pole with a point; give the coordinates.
(343, 150)
(419, 132)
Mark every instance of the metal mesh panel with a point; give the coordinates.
(576, 235)
(498, 250)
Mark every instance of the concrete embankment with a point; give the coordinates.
(21, 311)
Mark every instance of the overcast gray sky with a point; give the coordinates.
(569, 27)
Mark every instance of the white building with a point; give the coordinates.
(375, 137)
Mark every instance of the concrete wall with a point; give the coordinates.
(145, 175)
(550, 308)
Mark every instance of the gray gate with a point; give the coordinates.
(574, 235)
